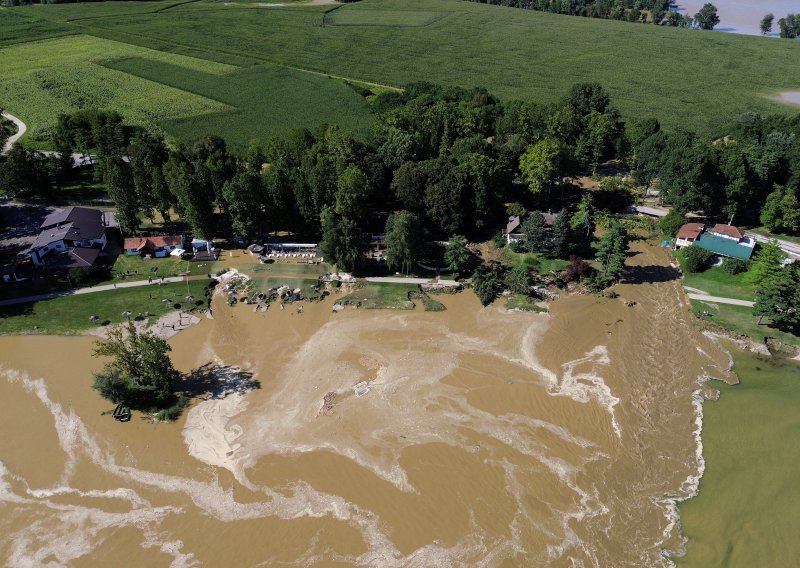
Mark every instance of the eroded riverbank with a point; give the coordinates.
(485, 436)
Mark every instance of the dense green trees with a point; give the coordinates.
(456, 254)
(789, 26)
(403, 241)
(25, 173)
(781, 211)
(643, 11)
(342, 242)
(119, 179)
(766, 23)
(612, 249)
(697, 259)
(487, 282)
(707, 17)
(767, 261)
(140, 373)
(778, 298)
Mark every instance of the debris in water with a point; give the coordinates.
(361, 389)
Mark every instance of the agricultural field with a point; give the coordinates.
(288, 61)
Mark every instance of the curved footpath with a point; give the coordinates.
(21, 129)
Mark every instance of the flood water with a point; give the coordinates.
(487, 438)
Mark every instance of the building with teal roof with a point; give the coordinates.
(724, 246)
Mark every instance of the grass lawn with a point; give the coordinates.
(70, 315)
(536, 261)
(741, 319)
(380, 295)
(717, 282)
(524, 304)
(245, 72)
(128, 268)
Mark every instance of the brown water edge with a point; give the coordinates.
(487, 438)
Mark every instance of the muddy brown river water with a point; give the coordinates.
(487, 438)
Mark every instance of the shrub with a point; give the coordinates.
(697, 259)
(499, 239)
(734, 266)
(78, 277)
(670, 224)
(519, 280)
(577, 269)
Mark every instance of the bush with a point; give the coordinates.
(670, 224)
(734, 266)
(516, 246)
(78, 277)
(577, 269)
(697, 259)
(519, 280)
(499, 239)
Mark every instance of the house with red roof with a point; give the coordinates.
(156, 246)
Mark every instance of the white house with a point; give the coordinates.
(66, 233)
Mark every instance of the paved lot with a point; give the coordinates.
(23, 222)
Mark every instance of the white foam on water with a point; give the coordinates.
(571, 383)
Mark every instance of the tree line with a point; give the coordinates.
(788, 26)
(638, 11)
(450, 159)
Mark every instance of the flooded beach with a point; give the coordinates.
(485, 437)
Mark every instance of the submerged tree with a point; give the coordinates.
(140, 373)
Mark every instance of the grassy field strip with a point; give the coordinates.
(384, 18)
(70, 314)
(264, 100)
(740, 320)
(687, 78)
(49, 77)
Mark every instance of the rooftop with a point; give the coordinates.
(72, 224)
(724, 246)
(690, 231)
(728, 231)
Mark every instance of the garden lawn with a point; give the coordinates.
(69, 315)
(716, 282)
(381, 295)
(128, 268)
(524, 304)
(741, 320)
(536, 261)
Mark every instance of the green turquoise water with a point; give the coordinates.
(746, 513)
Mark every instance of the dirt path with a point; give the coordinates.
(21, 128)
(718, 300)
